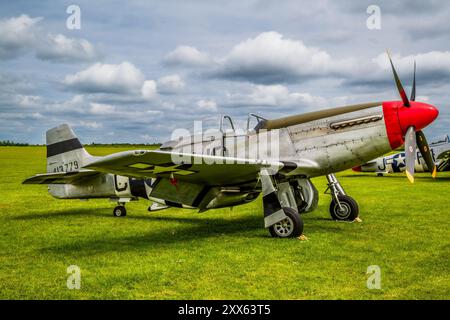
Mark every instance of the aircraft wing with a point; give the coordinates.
(196, 168)
(443, 161)
(60, 177)
(370, 163)
(444, 155)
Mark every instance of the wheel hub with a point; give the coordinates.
(342, 211)
(284, 228)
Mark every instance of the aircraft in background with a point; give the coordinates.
(225, 169)
(439, 149)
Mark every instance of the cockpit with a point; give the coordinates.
(220, 129)
(225, 124)
(440, 139)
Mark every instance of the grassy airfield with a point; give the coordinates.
(221, 254)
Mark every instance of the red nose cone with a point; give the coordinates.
(357, 169)
(419, 115)
(398, 118)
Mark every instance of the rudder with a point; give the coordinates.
(65, 153)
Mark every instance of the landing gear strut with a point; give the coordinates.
(342, 206)
(120, 210)
(280, 208)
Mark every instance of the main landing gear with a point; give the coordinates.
(120, 210)
(342, 206)
(281, 214)
(291, 226)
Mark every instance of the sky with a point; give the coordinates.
(134, 71)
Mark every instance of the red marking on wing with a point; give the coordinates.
(174, 182)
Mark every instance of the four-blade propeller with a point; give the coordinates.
(413, 138)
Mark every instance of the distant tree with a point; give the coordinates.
(12, 143)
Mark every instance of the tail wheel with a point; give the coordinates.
(119, 211)
(347, 211)
(291, 226)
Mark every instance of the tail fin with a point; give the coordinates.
(65, 153)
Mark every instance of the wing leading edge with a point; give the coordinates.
(196, 168)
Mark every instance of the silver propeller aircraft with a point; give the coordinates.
(440, 152)
(230, 168)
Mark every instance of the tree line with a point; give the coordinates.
(4, 143)
(12, 143)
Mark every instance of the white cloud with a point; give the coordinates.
(268, 95)
(166, 105)
(21, 34)
(101, 109)
(112, 78)
(170, 84)
(270, 58)
(433, 67)
(76, 104)
(17, 34)
(188, 56)
(275, 95)
(146, 137)
(423, 99)
(77, 99)
(207, 105)
(28, 101)
(37, 115)
(89, 124)
(60, 48)
(148, 89)
(432, 61)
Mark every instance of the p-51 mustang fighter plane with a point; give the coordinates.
(440, 152)
(223, 170)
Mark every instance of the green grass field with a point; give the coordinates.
(221, 254)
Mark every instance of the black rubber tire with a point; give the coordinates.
(294, 219)
(350, 206)
(119, 211)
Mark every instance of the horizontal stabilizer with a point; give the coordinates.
(60, 177)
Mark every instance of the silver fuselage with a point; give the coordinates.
(313, 148)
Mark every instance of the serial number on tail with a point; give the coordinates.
(67, 167)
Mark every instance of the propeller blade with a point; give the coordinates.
(422, 144)
(413, 90)
(410, 153)
(400, 89)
